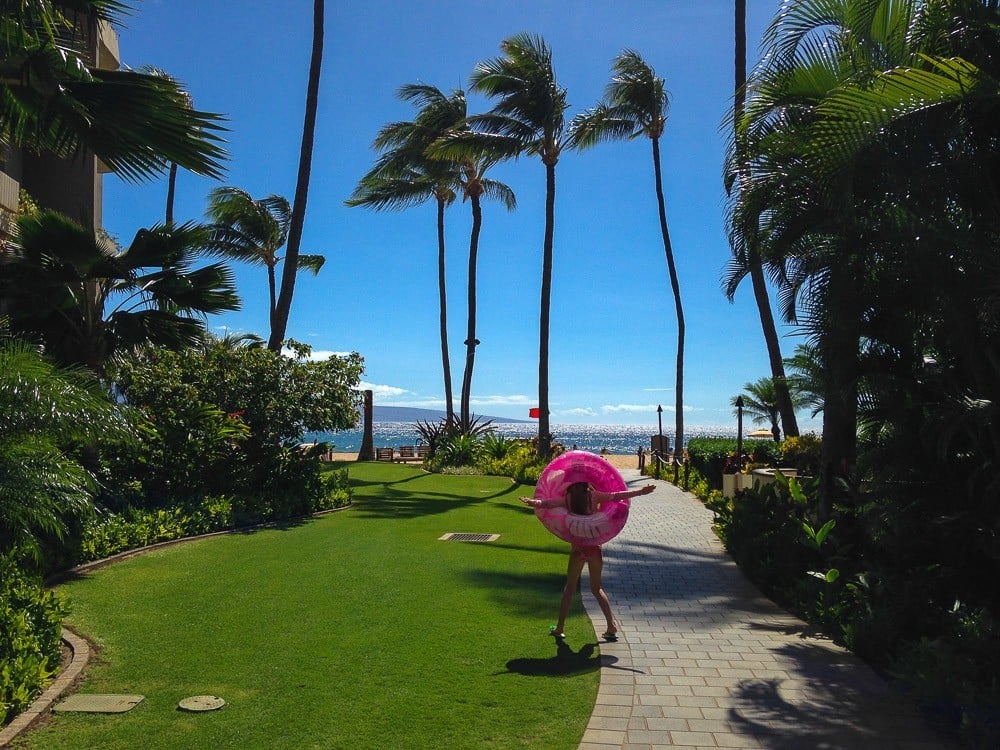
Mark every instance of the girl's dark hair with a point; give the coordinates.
(579, 498)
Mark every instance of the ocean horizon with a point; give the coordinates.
(613, 438)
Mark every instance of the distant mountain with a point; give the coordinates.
(411, 414)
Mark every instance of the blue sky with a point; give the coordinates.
(613, 333)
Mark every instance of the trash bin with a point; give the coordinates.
(660, 443)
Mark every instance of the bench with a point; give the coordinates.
(384, 454)
(407, 453)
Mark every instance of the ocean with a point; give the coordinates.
(615, 438)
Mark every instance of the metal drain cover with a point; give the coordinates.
(98, 703)
(201, 703)
(462, 537)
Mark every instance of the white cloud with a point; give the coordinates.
(496, 400)
(630, 408)
(383, 391)
(656, 390)
(584, 411)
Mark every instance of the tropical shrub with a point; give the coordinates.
(30, 628)
(50, 419)
(802, 453)
(227, 422)
(458, 449)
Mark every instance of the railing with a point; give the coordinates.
(663, 465)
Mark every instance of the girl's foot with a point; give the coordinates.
(611, 634)
(556, 632)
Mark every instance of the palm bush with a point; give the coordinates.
(46, 416)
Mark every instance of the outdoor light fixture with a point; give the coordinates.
(739, 432)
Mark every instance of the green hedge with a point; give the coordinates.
(111, 533)
(708, 455)
(30, 629)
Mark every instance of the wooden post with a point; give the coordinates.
(367, 452)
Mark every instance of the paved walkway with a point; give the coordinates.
(704, 660)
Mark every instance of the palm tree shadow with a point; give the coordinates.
(564, 663)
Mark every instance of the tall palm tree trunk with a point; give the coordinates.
(770, 331)
(676, 288)
(284, 305)
(272, 294)
(443, 316)
(471, 341)
(171, 189)
(544, 436)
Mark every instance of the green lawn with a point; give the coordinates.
(355, 630)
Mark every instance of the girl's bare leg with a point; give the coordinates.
(573, 570)
(594, 566)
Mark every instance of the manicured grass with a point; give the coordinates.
(355, 630)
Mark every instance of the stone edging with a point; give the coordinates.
(80, 651)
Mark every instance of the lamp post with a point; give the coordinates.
(739, 433)
(659, 445)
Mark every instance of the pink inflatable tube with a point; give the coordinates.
(583, 531)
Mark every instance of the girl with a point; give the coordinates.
(582, 499)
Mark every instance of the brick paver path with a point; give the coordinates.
(704, 660)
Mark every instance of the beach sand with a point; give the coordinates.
(618, 461)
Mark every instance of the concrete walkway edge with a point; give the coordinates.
(704, 660)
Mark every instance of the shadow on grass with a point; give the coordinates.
(530, 594)
(395, 504)
(565, 662)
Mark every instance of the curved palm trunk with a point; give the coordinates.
(676, 288)
(443, 304)
(544, 436)
(284, 306)
(770, 331)
(272, 294)
(782, 395)
(471, 341)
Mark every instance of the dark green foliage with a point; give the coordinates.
(709, 455)
(30, 627)
(112, 533)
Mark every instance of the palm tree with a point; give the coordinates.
(172, 174)
(528, 118)
(86, 301)
(406, 176)
(279, 322)
(746, 258)
(410, 172)
(44, 411)
(254, 230)
(636, 103)
(760, 403)
(865, 131)
(52, 98)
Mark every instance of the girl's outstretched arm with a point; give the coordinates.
(603, 497)
(534, 502)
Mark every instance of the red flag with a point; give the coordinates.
(533, 412)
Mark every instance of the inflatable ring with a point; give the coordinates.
(582, 531)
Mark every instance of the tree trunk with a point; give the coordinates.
(171, 188)
(782, 395)
(777, 363)
(284, 306)
(470, 340)
(443, 304)
(544, 435)
(676, 288)
(839, 355)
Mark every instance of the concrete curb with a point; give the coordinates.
(80, 655)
